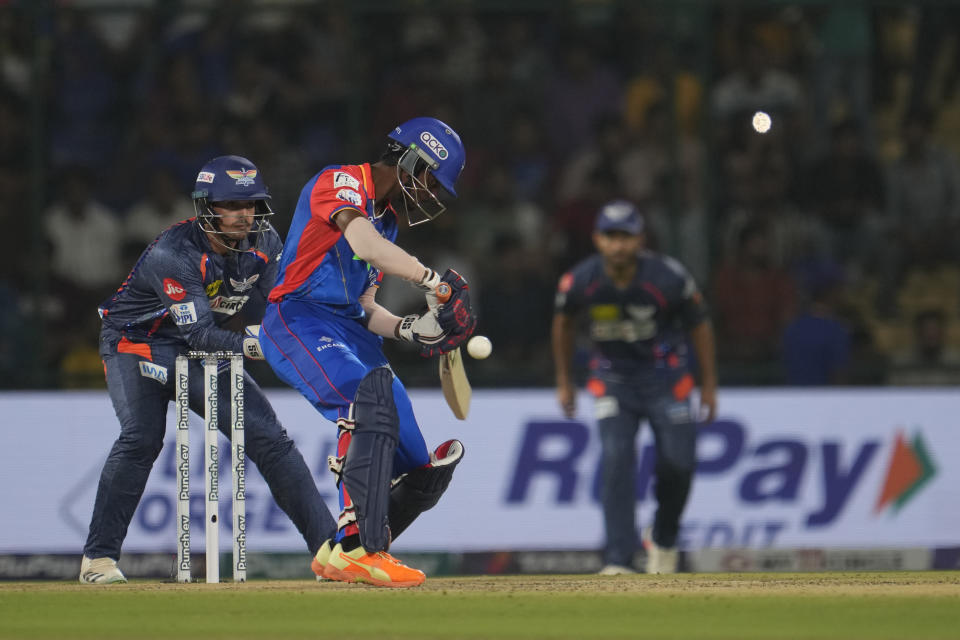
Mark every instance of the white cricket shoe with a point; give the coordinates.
(100, 571)
(615, 570)
(659, 559)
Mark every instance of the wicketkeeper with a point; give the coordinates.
(197, 277)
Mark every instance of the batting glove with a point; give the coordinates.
(424, 330)
(456, 316)
(428, 284)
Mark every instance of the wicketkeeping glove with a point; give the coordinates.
(251, 342)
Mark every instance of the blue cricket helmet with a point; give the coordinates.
(227, 178)
(619, 215)
(438, 145)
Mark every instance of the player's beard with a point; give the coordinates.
(230, 238)
(235, 235)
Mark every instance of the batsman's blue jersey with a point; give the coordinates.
(314, 332)
(638, 329)
(318, 264)
(181, 292)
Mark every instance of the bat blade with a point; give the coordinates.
(453, 380)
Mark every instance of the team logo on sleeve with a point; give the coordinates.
(344, 179)
(205, 176)
(244, 177)
(184, 313)
(173, 289)
(349, 195)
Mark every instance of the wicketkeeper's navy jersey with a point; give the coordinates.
(641, 327)
(182, 292)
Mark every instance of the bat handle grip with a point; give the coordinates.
(443, 292)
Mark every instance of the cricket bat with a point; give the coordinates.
(453, 381)
(453, 377)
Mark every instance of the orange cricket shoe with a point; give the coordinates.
(379, 569)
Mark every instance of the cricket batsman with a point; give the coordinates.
(323, 333)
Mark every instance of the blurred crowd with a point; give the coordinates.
(827, 246)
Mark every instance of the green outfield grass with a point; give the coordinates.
(848, 605)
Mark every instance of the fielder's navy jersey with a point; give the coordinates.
(182, 292)
(640, 327)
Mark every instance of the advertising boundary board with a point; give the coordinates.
(778, 470)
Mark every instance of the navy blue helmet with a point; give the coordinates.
(230, 178)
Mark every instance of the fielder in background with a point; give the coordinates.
(189, 284)
(641, 308)
(323, 333)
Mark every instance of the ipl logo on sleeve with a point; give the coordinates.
(351, 196)
(184, 313)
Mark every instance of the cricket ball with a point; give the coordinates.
(479, 347)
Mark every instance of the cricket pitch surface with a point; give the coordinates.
(749, 605)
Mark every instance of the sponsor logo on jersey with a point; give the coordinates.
(605, 312)
(228, 304)
(359, 259)
(205, 176)
(243, 285)
(326, 342)
(349, 195)
(213, 288)
(244, 177)
(173, 289)
(155, 371)
(641, 311)
(184, 313)
(430, 142)
(343, 179)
